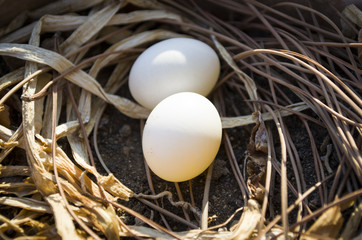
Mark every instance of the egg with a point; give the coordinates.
(171, 66)
(182, 136)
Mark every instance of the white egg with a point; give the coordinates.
(171, 66)
(182, 136)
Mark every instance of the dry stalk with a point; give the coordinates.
(283, 64)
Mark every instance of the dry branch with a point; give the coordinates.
(284, 61)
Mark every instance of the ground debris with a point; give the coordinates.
(256, 160)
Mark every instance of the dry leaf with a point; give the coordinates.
(106, 220)
(13, 139)
(114, 38)
(279, 232)
(42, 80)
(79, 77)
(248, 82)
(23, 217)
(35, 132)
(46, 130)
(6, 146)
(29, 110)
(42, 178)
(11, 78)
(258, 139)
(256, 169)
(153, 4)
(80, 36)
(327, 225)
(10, 171)
(20, 189)
(257, 158)
(26, 203)
(63, 220)
(353, 223)
(64, 6)
(199, 234)
(143, 15)
(248, 222)
(88, 29)
(115, 81)
(231, 122)
(16, 23)
(101, 217)
(131, 42)
(5, 116)
(353, 14)
(5, 133)
(64, 129)
(115, 187)
(51, 23)
(73, 174)
(21, 35)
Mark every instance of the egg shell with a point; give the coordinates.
(182, 136)
(171, 66)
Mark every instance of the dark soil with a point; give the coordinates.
(119, 141)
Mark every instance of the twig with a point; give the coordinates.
(267, 181)
(150, 183)
(181, 198)
(77, 67)
(325, 158)
(205, 200)
(144, 219)
(284, 189)
(167, 213)
(340, 201)
(168, 194)
(191, 194)
(291, 207)
(95, 140)
(235, 168)
(61, 191)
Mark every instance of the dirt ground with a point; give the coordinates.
(119, 142)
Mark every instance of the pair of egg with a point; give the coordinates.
(182, 135)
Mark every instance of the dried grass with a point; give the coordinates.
(312, 58)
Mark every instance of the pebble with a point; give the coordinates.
(126, 151)
(125, 130)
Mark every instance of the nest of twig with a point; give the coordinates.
(277, 61)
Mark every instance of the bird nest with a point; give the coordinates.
(289, 96)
